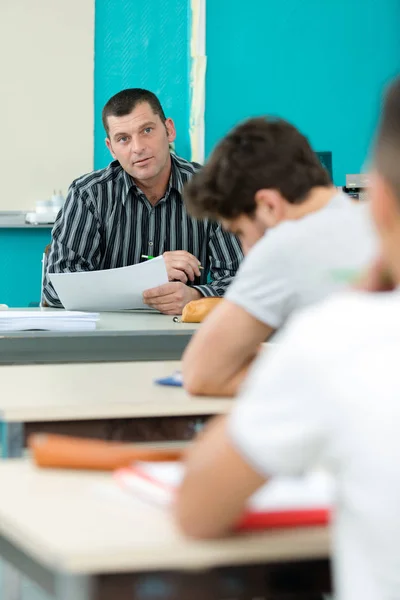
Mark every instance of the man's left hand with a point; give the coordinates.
(170, 298)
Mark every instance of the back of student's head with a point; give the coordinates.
(387, 147)
(261, 153)
(124, 102)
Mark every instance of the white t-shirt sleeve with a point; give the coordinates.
(263, 285)
(280, 423)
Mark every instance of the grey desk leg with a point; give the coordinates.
(74, 587)
(12, 446)
(11, 439)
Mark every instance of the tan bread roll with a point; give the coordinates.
(197, 310)
(64, 452)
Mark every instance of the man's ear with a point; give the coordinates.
(270, 207)
(171, 132)
(108, 144)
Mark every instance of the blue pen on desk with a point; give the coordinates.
(174, 380)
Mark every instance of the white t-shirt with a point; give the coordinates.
(300, 262)
(329, 395)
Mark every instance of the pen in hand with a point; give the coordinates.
(147, 257)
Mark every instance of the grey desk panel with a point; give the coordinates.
(16, 220)
(119, 336)
(98, 346)
(10, 225)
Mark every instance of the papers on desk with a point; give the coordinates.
(282, 502)
(113, 289)
(48, 320)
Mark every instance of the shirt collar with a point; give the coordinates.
(175, 182)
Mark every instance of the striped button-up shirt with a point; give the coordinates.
(107, 222)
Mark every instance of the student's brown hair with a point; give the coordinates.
(387, 146)
(260, 153)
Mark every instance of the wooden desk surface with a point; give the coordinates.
(53, 392)
(83, 523)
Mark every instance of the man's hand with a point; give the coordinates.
(181, 266)
(170, 298)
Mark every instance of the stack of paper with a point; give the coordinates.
(112, 289)
(48, 320)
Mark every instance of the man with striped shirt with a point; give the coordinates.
(133, 207)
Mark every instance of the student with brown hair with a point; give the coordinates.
(303, 240)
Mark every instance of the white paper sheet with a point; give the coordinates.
(113, 289)
(48, 320)
(313, 490)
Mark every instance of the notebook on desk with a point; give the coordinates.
(282, 502)
(47, 320)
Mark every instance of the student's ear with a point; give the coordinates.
(270, 207)
(108, 144)
(171, 132)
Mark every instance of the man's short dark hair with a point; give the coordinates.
(261, 153)
(124, 102)
(387, 147)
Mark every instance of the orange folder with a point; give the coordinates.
(64, 452)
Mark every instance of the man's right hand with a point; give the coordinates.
(181, 266)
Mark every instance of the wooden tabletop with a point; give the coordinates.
(53, 392)
(83, 523)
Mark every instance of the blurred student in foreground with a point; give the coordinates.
(328, 395)
(264, 176)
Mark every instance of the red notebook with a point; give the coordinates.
(282, 502)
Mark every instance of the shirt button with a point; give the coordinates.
(150, 243)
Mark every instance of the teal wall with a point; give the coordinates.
(21, 252)
(318, 63)
(142, 44)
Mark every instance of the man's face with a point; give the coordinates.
(270, 210)
(140, 142)
(248, 229)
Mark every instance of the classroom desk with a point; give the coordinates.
(80, 537)
(120, 336)
(108, 401)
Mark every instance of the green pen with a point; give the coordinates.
(150, 257)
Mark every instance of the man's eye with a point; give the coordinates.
(123, 140)
(148, 130)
